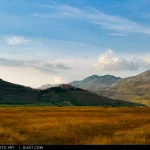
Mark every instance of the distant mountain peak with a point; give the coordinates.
(91, 77)
(107, 75)
(94, 75)
(95, 82)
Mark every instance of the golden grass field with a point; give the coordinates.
(74, 125)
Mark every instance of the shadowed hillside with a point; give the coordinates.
(16, 94)
(63, 95)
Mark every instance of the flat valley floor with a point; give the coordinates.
(74, 125)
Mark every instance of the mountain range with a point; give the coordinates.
(96, 82)
(108, 87)
(93, 82)
(61, 95)
(135, 88)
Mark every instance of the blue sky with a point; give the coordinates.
(63, 40)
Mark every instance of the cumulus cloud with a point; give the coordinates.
(40, 65)
(16, 40)
(108, 61)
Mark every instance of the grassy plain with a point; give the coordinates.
(74, 125)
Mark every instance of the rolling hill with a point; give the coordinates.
(64, 95)
(136, 88)
(17, 94)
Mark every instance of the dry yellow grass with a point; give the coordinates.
(74, 125)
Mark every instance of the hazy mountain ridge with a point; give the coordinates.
(96, 82)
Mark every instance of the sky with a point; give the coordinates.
(59, 41)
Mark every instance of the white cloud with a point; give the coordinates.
(16, 40)
(110, 22)
(108, 61)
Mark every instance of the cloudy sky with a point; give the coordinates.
(58, 41)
